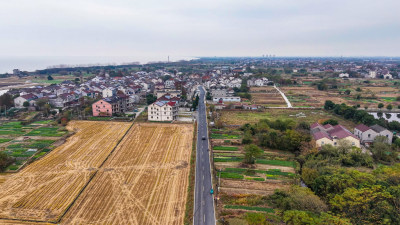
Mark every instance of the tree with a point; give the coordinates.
(382, 151)
(247, 138)
(367, 205)
(25, 104)
(380, 105)
(150, 98)
(389, 107)
(5, 161)
(208, 96)
(347, 92)
(6, 100)
(332, 122)
(41, 103)
(358, 89)
(329, 105)
(256, 219)
(50, 77)
(251, 153)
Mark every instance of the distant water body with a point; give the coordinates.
(7, 64)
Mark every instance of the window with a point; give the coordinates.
(353, 143)
(369, 135)
(387, 135)
(322, 143)
(335, 143)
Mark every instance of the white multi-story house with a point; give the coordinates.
(372, 74)
(109, 92)
(388, 76)
(367, 134)
(162, 111)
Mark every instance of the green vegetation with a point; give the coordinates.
(251, 153)
(231, 175)
(3, 140)
(47, 132)
(224, 136)
(225, 148)
(359, 116)
(276, 162)
(43, 122)
(228, 159)
(253, 208)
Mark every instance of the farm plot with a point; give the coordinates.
(143, 182)
(305, 96)
(42, 191)
(267, 96)
(307, 115)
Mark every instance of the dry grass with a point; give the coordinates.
(267, 96)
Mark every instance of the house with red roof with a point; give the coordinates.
(328, 134)
(19, 101)
(164, 109)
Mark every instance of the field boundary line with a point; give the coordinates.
(189, 215)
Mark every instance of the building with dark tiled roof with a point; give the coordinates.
(328, 134)
(367, 134)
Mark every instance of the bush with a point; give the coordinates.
(332, 122)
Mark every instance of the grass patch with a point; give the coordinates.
(224, 136)
(231, 175)
(276, 162)
(255, 178)
(253, 208)
(225, 148)
(43, 122)
(47, 132)
(228, 159)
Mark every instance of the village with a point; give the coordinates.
(269, 122)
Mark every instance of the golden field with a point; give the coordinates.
(46, 188)
(100, 176)
(143, 182)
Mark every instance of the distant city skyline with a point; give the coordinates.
(156, 29)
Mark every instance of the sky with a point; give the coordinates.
(191, 28)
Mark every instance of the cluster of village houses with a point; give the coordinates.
(121, 94)
(115, 94)
(332, 135)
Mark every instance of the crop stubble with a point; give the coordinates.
(143, 182)
(44, 190)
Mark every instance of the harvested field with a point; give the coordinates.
(306, 96)
(44, 190)
(231, 117)
(251, 187)
(267, 96)
(143, 182)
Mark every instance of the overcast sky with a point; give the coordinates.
(151, 28)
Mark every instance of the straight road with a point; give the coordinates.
(203, 202)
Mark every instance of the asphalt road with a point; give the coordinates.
(203, 202)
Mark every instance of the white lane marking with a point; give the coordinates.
(204, 218)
